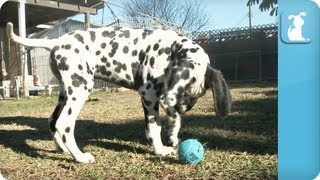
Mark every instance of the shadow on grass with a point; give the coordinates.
(253, 131)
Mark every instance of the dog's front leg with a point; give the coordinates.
(174, 122)
(153, 127)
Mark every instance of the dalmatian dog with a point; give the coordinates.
(166, 68)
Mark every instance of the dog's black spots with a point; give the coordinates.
(134, 70)
(182, 54)
(142, 56)
(152, 62)
(156, 47)
(146, 33)
(134, 52)
(115, 46)
(135, 41)
(88, 69)
(149, 77)
(156, 106)
(148, 49)
(79, 38)
(194, 50)
(167, 50)
(58, 57)
(64, 140)
(102, 70)
(70, 33)
(146, 61)
(134, 67)
(98, 52)
(108, 73)
(108, 64)
(180, 90)
(70, 91)
(103, 45)
(87, 47)
(148, 86)
(171, 112)
(193, 80)
(143, 93)
(92, 35)
(184, 40)
(63, 66)
(78, 80)
(159, 88)
(108, 34)
(117, 69)
(76, 50)
(103, 59)
(67, 130)
(154, 81)
(128, 77)
(147, 103)
(119, 66)
(69, 111)
(74, 99)
(125, 49)
(85, 87)
(67, 47)
(185, 74)
(161, 51)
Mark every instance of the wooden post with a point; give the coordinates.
(87, 20)
(22, 33)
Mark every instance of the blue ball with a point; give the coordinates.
(191, 151)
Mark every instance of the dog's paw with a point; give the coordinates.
(85, 158)
(165, 151)
(174, 141)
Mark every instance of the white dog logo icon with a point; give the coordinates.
(295, 30)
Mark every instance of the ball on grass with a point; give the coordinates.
(191, 151)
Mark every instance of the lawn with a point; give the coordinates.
(111, 127)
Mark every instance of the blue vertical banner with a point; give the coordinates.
(299, 135)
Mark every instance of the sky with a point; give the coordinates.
(222, 14)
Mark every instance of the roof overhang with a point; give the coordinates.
(44, 11)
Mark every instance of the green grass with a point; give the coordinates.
(111, 127)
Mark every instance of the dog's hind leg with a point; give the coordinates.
(77, 90)
(54, 117)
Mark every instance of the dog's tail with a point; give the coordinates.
(221, 93)
(44, 43)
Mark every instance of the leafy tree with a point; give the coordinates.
(266, 5)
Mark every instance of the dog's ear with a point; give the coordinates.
(302, 14)
(222, 96)
(290, 17)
